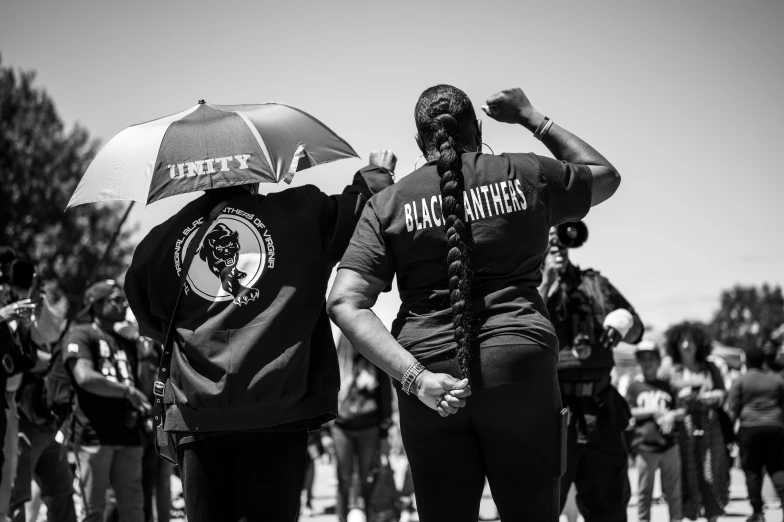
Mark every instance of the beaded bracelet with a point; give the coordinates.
(410, 376)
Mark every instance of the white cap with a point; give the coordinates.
(647, 345)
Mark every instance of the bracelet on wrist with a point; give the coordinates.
(543, 128)
(540, 127)
(410, 376)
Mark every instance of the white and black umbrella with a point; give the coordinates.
(206, 147)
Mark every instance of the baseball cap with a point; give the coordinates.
(647, 345)
(100, 290)
(96, 292)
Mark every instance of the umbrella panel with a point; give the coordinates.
(205, 150)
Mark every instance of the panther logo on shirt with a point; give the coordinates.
(220, 250)
(233, 255)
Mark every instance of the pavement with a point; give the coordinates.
(325, 487)
(736, 511)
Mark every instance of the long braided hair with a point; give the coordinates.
(438, 115)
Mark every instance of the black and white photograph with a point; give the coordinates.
(391, 262)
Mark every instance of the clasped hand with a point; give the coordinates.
(442, 392)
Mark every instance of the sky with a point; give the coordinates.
(684, 98)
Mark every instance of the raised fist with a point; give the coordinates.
(384, 158)
(509, 106)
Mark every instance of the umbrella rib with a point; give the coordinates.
(204, 135)
(320, 123)
(255, 132)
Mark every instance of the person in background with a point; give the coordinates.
(27, 323)
(156, 472)
(315, 450)
(699, 387)
(756, 399)
(655, 434)
(578, 301)
(364, 418)
(106, 432)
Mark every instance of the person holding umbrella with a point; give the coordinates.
(466, 235)
(233, 286)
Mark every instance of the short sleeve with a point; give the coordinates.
(367, 252)
(76, 345)
(569, 188)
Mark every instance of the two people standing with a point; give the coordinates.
(465, 235)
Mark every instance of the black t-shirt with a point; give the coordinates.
(511, 201)
(103, 420)
(656, 394)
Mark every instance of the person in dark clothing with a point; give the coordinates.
(156, 472)
(465, 236)
(364, 418)
(106, 427)
(699, 388)
(655, 434)
(756, 399)
(254, 366)
(578, 301)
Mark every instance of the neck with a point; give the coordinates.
(691, 363)
(104, 324)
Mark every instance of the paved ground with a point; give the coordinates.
(737, 510)
(325, 486)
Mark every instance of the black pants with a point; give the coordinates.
(156, 484)
(597, 461)
(244, 476)
(762, 447)
(49, 467)
(506, 432)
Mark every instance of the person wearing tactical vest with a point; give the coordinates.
(465, 236)
(106, 433)
(578, 301)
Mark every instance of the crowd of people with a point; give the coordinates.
(498, 369)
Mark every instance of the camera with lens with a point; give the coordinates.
(572, 235)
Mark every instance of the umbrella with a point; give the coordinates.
(206, 147)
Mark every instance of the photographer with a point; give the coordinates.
(583, 306)
(106, 431)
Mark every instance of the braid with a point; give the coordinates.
(457, 236)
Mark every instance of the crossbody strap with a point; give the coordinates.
(168, 343)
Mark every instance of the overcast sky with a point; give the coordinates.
(685, 98)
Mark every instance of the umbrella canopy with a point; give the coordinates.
(207, 147)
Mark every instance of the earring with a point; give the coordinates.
(417, 161)
(488, 146)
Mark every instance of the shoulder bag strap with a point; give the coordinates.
(168, 343)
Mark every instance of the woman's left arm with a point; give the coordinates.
(349, 306)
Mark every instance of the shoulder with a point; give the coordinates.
(80, 335)
(149, 245)
(422, 183)
(593, 274)
(83, 330)
(523, 160)
(635, 386)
